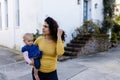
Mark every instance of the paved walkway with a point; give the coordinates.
(100, 66)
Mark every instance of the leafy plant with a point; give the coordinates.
(108, 12)
(88, 27)
(37, 34)
(114, 37)
(117, 19)
(107, 24)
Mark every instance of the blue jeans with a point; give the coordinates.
(46, 76)
(37, 63)
(37, 60)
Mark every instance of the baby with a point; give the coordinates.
(31, 53)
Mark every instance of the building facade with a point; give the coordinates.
(117, 8)
(20, 16)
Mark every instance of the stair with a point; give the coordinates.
(72, 49)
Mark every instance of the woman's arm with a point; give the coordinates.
(60, 47)
(60, 43)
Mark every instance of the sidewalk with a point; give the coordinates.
(100, 66)
(12, 68)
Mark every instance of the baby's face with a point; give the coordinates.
(28, 41)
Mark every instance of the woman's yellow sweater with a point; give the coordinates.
(50, 53)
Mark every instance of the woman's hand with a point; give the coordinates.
(59, 34)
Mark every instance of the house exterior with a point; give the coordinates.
(20, 16)
(117, 7)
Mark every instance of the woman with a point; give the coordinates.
(51, 45)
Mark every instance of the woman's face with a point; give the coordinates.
(45, 29)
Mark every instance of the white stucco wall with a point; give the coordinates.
(7, 38)
(118, 1)
(67, 13)
(97, 13)
(117, 7)
(30, 12)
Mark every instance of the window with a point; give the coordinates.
(6, 14)
(17, 14)
(0, 18)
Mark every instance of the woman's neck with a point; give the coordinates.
(48, 38)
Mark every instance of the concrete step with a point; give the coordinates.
(70, 53)
(82, 37)
(75, 45)
(85, 35)
(78, 41)
(73, 49)
(64, 58)
(15, 70)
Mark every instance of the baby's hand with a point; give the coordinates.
(32, 63)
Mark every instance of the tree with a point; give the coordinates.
(108, 12)
(117, 19)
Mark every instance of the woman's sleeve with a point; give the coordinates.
(60, 47)
(36, 41)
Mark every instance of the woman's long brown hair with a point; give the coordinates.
(53, 26)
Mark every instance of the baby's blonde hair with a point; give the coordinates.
(27, 35)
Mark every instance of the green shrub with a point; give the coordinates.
(101, 35)
(114, 38)
(88, 27)
(37, 34)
